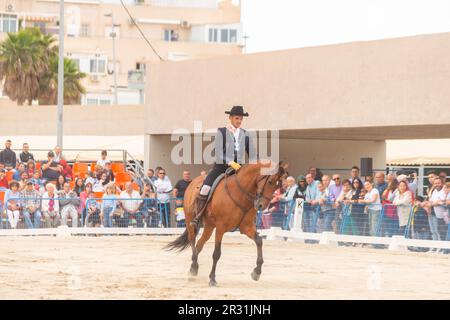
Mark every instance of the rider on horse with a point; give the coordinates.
(231, 144)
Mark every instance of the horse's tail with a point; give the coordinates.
(180, 243)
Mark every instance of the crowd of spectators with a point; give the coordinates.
(50, 193)
(378, 205)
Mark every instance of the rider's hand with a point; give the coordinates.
(236, 166)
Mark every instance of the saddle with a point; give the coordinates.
(230, 171)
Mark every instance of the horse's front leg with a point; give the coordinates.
(207, 232)
(259, 258)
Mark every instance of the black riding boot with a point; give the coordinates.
(200, 206)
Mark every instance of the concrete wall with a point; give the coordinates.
(300, 154)
(399, 84)
(105, 120)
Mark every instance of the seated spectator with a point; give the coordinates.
(102, 161)
(8, 157)
(90, 179)
(403, 200)
(31, 203)
(131, 207)
(37, 182)
(443, 176)
(100, 184)
(108, 206)
(98, 172)
(23, 181)
(20, 168)
(79, 186)
(60, 182)
(50, 206)
(83, 197)
(12, 204)
(31, 167)
(93, 212)
(50, 168)
(3, 180)
(151, 175)
(25, 155)
(68, 204)
(66, 170)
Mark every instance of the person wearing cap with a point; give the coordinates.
(301, 187)
(31, 203)
(50, 168)
(231, 144)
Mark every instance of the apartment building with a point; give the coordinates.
(98, 30)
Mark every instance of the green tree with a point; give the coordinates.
(73, 89)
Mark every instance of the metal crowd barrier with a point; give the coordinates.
(354, 219)
(151, 213)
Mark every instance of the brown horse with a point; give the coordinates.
(234, 204)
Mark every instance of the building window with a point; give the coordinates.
(91, 101)
(140, 66)
(233, 35)
(105, 101)
(170, 35)
(8, 23)
(84, 30)
(97, 66)
(212, 35)
(224, 35)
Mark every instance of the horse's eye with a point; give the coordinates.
(270, 182)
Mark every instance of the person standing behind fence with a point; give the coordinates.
(130, 207)
(163, 190)
(108, 206)
(389, 224)
(288, 198)
(25, 155)
(354, 174)
(327, 213)
(12, 204)
(69, 204)
(309, 209)
(31, 203)
(438, 204)
(380, 184)
(373, 202)
(50, 206)
(8, 157)
(149, 206)
(178, 192)
(403, 199)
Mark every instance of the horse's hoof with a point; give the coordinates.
(193, 272)
(255, 276)
(212, 283)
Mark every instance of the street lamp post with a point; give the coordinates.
(60, 76)
(113, 36)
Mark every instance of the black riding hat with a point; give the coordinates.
(237, 111)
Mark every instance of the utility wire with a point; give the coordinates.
(137, 26)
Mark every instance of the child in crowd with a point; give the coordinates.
(93, 217)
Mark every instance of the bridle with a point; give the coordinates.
(252, 198)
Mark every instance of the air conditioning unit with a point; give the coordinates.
(184, 24)
(10, 8)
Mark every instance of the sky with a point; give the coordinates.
(284, 24)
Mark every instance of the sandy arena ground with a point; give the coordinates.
(135, 267)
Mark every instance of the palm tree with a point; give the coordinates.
(23, 59)
(73, 89)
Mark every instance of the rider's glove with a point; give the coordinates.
(236, 166)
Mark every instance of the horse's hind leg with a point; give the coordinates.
(207, 232)
(216, 256)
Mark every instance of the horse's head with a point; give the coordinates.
(266, 184)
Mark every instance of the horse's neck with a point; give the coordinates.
(248, 176)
